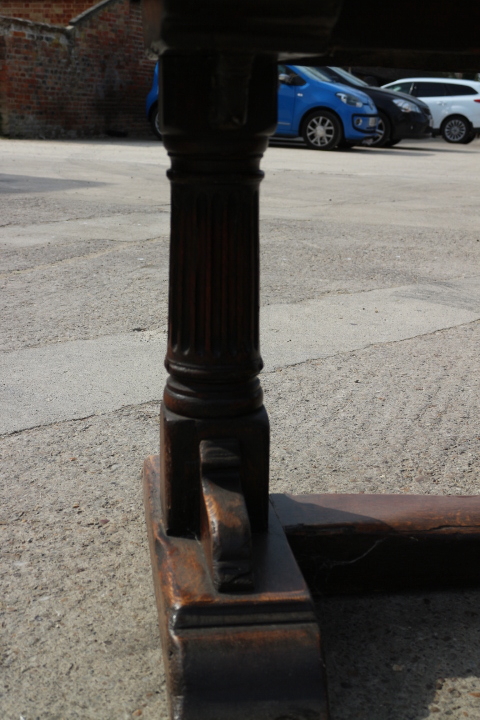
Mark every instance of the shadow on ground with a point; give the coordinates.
(404, 150)
(402, 657)
(10, 184)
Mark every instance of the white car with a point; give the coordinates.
(454, 104)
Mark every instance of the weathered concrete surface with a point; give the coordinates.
(359, 400)
(48, 383)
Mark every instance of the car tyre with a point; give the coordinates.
(456, 129)
(345, 145)
(384, 129)
(470, 137)
(392, 143)
(322, 130)
(154, 121)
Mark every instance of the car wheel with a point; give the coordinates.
(322, 130)
(384, 132)
(456, 129)
(154, 121)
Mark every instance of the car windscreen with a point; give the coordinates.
(348, 77)
(316, 74)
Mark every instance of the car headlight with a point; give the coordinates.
(349, 99)
(405, 105)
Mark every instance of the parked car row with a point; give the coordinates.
(330, 108)
(400, 116)
(454, 104)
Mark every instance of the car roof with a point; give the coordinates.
(449, 81)
(329, 85)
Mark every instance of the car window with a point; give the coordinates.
(295, 79)
(401, 87)
(428, 89)
(454, 89)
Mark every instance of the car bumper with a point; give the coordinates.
(362, 126)
(411, 125)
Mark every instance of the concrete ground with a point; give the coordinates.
(371, 342)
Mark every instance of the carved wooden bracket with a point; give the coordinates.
(225, 526)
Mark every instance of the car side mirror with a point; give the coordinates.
(297, 80)
(290, 79)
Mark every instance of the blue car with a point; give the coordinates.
(152, 105)
(325, 114)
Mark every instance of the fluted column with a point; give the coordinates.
(213, 345)
(217, 111)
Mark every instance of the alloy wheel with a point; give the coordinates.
(320, 131)
(383, 133)
(455, 130)
(380, 134)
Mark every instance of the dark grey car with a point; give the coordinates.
(401, 115)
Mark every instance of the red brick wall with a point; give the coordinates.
(55, 12)
(79, 82)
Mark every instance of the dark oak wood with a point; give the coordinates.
(234, 655)
(215, 135)
(378, 543)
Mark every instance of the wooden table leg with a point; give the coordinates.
(239, 634)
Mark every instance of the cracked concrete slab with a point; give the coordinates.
(295, 333)
(72, 380)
